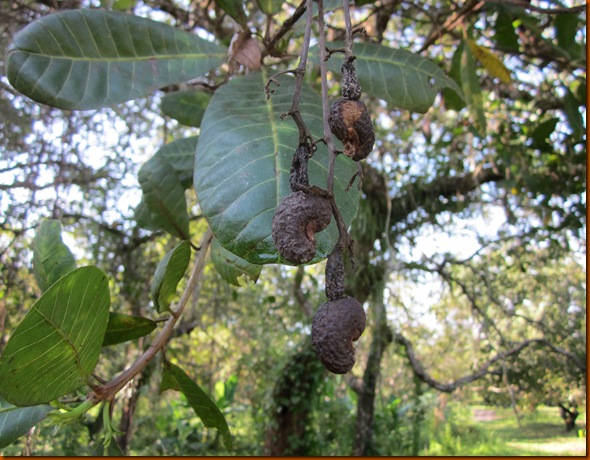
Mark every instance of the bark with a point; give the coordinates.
(382, 337)
(568, 416)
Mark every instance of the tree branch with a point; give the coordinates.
(108, 391)
(421, 373)
(417, 196)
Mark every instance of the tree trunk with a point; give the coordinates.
(288, 432)
(568, 416)
(382, 337)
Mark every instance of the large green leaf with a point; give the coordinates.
(181, 156)
(243, 161)
(187, 107)
(163, 195)
(230, 267)
(16, 421)
(168, 274)
(56, 346)
(86, 59)
(403, 79)
(175, 378)
(122, 328)
(472, 90)
(51, 257)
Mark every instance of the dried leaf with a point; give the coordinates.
(245, 50)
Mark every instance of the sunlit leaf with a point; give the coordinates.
(168, 274)
(56, 346)
(401, 78)
(243, 160)
(51, 257)
(91, 58)
(163, 195)
(16, 421)
(123, 328)
(175, 378)
(187, 107)
(230, 266)
(270, 6)
(490, 61)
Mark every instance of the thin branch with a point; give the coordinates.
(537, 9)
(325, 104)
(286, 27)
(421, 373)
(108, 391)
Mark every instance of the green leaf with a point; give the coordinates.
(230, 266)
(181, 156)
(51, 257)
(168, 274)
(16, 421)
(143, 216)
(571, 108)
(163, 195)
(235, 8)
(472, 90)
(454, 101)
(56, 346)
(123, 328)
(175, 378)
(566, 28)
(401, 78)
(505, 35)
(187, 107)
(112, 450)
(541, 134)
(243, 160)
(270, 6)
(90, 58)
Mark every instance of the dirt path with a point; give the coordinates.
(484, 415)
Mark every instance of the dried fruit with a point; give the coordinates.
(350, 122)
(296, 221)
(351, 89)
(336, 325)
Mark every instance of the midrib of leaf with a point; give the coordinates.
(275, 137)
(157, 57)
(63, 335)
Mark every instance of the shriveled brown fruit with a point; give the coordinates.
(350, 122)
(336, 325)
(296, 221)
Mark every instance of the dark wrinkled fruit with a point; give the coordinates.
(350, 122)
(296, 221)
(336, 325)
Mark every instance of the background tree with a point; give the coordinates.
(475, 188)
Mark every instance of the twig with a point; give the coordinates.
(286, 27)
(325, 107)
(108, 391)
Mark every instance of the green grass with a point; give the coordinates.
(542, 433)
